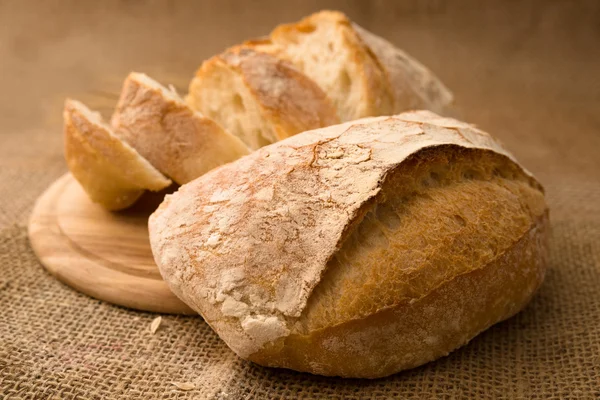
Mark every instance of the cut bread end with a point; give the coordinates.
(109, 170)
(218, 91)
(259, 97)
(145, 80)
(327, 49)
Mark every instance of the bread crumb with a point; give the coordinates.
(155, 324)
(184, 385)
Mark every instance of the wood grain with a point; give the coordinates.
(103, 254)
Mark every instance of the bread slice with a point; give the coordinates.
(111, 172)
(259, 97)
(326, 47)
(180, 142)
(363, 74)
(360, 249)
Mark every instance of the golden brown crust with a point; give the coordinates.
(109, 170)
(178, 141)
(411, 334)
(250, 253)
(430, 220)
(287, 100)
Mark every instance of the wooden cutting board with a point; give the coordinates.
(103, 254)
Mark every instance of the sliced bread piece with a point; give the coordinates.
(363, 74)
(259, 97)
(182, 143)
(111, 172)
(326, 47)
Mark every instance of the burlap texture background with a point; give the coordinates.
(529, 72)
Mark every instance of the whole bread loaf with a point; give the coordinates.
(360, 249)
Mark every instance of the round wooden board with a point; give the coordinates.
(103, 254)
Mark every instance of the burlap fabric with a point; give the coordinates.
(528, 72)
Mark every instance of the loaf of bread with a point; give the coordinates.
(258, 97)
(357, 250)
(111, 172)
(178, 141)
(363, 74)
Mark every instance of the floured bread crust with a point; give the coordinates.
(293, 253)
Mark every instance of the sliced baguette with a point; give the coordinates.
(112, 173)
(259, 97)
(363, 74)
(180, 142)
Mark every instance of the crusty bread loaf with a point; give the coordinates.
(111, 172)
(258, 97)
(357, 250)
(363, 74)
(178, 141)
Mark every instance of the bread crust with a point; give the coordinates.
(411, 334)
(111, 172)
(288, 100)
(413, 85)
(178, 141)
(248, 252)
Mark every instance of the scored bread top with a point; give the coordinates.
(247, 244)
